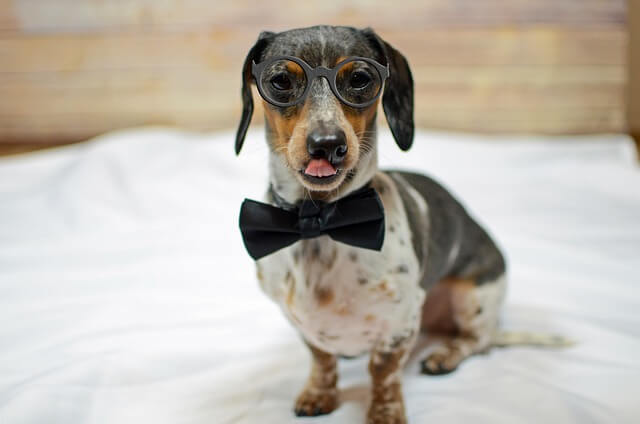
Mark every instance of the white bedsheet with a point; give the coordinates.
(126, 295)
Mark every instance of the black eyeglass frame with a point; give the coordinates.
(330, 74)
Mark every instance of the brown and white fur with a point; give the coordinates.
(437, 271)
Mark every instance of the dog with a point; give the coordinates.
(437, 271)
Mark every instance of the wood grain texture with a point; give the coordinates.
(633, 95)
(70, 70)
(117, 15)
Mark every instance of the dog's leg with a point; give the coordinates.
(385, 367)
(461, 318)
(320, 395)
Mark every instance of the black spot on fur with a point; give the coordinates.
(315, 250)
(397, 341)
(402, 269)
(362, 281)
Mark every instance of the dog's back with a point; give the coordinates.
(453, 245)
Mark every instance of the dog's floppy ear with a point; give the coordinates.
(247, 99)
(397, 99)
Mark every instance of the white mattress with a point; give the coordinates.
(126, 295)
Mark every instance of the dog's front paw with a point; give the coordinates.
(313, 401)
(387, 413)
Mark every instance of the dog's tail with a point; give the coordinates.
(522, 338)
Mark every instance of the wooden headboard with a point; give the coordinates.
(72, 69)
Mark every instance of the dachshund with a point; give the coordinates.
(437, 270)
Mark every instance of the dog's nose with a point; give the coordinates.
(331, 146)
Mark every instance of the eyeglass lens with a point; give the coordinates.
(284, 81)
(358, 82)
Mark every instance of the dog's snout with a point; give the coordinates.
(329, 145)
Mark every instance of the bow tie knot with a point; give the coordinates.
(357, 220)
(312, 217)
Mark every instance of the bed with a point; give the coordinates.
(126, 295)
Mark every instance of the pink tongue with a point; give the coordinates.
(320, 168)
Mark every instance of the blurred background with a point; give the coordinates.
(72, 69)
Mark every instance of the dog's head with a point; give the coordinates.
(320, 87)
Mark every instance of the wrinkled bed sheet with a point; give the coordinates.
(126, 295)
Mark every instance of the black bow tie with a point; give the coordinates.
(357, 220)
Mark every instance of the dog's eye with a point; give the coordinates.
(359, 79)
(281, 82)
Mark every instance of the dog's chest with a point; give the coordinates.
(344, 299)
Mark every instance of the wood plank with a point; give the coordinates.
(195, 98)
(229, 79)
(487, 117)
(633, 95)
(504, 120)
(101, 16)
(39, 100)
(8, 149)
(548, 46)
(198, 102)
(43, 53)
(540, 120)
(512, 46)
(518, 74)
(8, 19)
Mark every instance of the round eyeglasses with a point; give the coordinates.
(285, 81)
